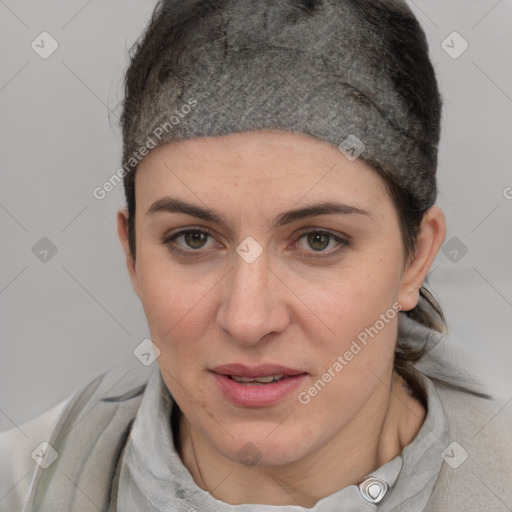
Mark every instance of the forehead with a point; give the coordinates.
(281, 165)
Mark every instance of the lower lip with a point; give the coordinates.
(254, 395)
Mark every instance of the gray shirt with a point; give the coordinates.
(153, 477)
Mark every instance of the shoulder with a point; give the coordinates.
(107, 403)
(477, 463)
(16, 447)
(483, 422)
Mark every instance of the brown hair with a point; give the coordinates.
(427, 312)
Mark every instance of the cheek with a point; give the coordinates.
(177, 305)
(355, 332)
(353, 299)
(177, 309)
(354, 361)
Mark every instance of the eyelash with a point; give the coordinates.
(343, 243)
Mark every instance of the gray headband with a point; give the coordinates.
(318, 77)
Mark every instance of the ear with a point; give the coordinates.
(430, 238)
(122, 232)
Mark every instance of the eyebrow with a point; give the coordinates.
(173, 205)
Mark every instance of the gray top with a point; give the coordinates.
(153, 477)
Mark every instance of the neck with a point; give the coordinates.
(365, 444)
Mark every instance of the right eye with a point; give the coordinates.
(188, 242)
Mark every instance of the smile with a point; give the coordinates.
(259, 386)
(257, 380)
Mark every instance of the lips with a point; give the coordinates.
(256, 386)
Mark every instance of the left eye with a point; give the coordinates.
(319, 241)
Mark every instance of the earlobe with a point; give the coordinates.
(429, 240)
(122, 232)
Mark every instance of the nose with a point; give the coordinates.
(253, 303)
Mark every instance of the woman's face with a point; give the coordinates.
(240, 275)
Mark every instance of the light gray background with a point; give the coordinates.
(66, 320)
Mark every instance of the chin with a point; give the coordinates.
(263, 445)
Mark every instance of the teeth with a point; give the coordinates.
(261, 380)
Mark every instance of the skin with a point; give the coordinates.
(288, 307)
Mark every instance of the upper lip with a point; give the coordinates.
(264, 370)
